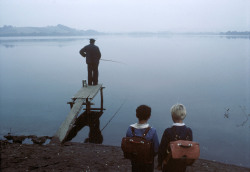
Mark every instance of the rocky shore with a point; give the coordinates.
(81, 157)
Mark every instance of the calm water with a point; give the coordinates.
(209, 75)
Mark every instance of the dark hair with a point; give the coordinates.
(143, 112)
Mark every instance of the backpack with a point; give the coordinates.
(183, 151)
(137, 148)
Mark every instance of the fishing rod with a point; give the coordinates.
(113, 115)
(112, 61)
(109, 60)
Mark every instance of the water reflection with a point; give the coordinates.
(245, 118)
(92, 120)
(11, 42)
(236, 36)
(8, 45)
(208, 74)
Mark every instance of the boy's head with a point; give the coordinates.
(143, 112)
(178, 112)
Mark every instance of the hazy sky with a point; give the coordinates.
(129, 15)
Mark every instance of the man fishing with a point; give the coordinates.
(93, 56)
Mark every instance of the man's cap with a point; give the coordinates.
(91, 39)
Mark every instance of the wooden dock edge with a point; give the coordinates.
(81, 98)
(66, 126)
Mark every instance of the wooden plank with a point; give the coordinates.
(84, 103)
(95, 91)
(87, 92)
(82, 93)
(69, 121)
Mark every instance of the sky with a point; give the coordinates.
(129, 15)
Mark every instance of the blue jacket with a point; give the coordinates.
(139, 131)
(92, 53)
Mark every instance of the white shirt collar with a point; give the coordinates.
(140, 126)
(178, 124)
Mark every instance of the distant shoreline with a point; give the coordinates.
(61, 30)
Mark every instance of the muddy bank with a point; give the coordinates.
(81, 157)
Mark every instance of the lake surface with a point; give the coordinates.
(210, 75)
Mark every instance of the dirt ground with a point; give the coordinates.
(81, 157)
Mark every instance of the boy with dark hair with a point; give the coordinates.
(143, 114)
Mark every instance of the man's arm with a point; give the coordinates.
(98, 53)
(83, 52)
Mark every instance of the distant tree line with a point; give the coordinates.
(59, 30)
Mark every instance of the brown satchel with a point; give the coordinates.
(184, 150)
(137, 148)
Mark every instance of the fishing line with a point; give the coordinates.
(112, 61)
(114, 115)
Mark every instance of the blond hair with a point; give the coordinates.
(178, 111)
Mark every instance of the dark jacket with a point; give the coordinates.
(172, 134)
(92, 53)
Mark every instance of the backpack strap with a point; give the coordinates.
(144, 134)
(177, 137)
(133, 131)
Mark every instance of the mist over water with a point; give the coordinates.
(208, 74)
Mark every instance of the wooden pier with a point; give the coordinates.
(83, 97)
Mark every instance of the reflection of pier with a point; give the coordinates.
(90, 117)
